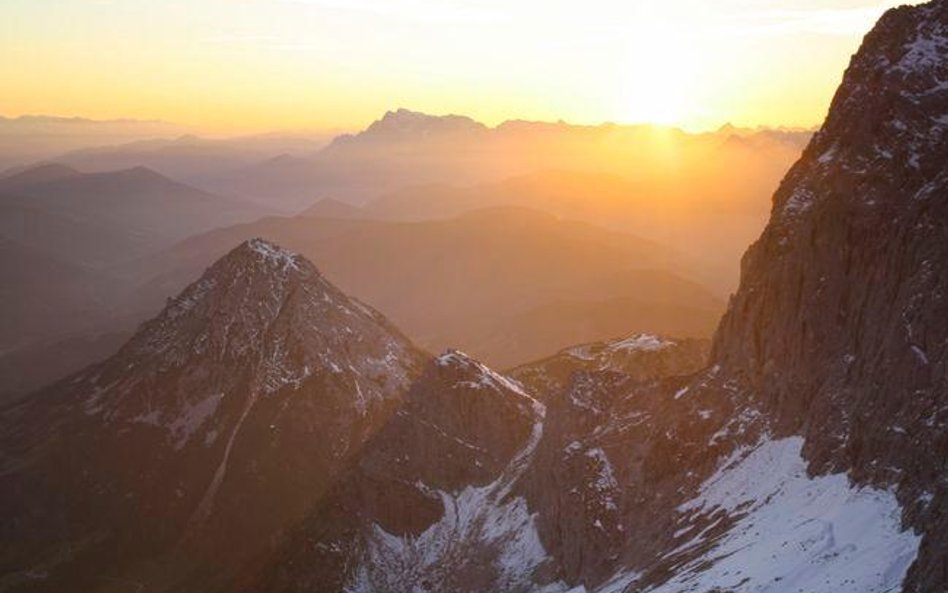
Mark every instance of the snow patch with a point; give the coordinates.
(487, 378)
(606, 478)
(641, 342)
(274, 255)
(920, 355)
(799, 201)
(190, 419)
(924, 53)
(793, 532)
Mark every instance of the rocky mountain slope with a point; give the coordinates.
(267, 433)
(426, 504)
(221, 421)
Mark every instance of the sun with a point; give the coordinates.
(660, 76)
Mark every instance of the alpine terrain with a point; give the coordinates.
(267, 433)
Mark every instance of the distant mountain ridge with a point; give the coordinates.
(192, 159)
(99, 219)
(38, 173)
(30, 138)
(404, 125)
(406, 148)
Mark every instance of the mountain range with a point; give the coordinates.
(266, 432)
(100, 219)
(30, 138)
(507, 284)
(192, 158)
(406, 148)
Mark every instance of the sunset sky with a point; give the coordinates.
(252, 65)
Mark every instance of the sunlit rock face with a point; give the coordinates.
(839, 327)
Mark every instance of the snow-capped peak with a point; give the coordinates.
(487, 377)
(272, 254)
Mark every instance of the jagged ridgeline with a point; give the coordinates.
(268, 433)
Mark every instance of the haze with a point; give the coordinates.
(364, 296)
(250, 65)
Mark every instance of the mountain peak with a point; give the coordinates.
(406, 125)
(139, 173)
(457, 361)
(252, 265)
(270, 312)
(270, 254)
(889, 115)
(407, 116)
(36, 173)
(258, 382)
(403, 114)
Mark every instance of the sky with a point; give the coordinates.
(238, 66)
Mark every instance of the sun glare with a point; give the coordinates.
(659, 78)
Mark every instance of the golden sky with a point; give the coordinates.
(254, 65)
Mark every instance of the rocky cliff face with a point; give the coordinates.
(839, 327)
(441, 500)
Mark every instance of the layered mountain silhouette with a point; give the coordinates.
(710, 221)
(62, 232)
(99, 219)
(39, 173)
(507, 285)
(190, 158)
(30, 138)
(266, 432)
(409, 149)
(808, 456)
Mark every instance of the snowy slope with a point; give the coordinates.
(791, 532)
(475, 519)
